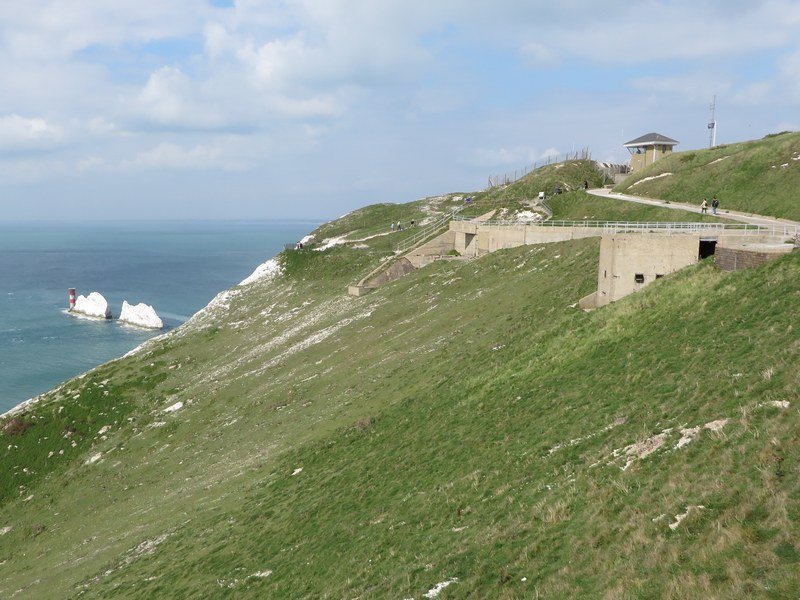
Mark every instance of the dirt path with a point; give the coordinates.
(728, 214)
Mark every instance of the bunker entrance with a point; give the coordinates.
(707, 248)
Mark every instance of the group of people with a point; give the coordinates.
(714, 205)
(399, 226)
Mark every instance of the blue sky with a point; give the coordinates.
(310, 108)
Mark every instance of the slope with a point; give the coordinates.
(760, 176)
(464, 422)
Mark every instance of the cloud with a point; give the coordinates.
(437, 90)
(501, 157)
(790, 73)
(754, 94)
(57, 30)
(24, 134)
(692, 87)
(176, 157)
(539, 55)
(518, 157)
(625, 33)
(171, 99)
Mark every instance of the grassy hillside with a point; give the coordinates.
(569, 176)
(761, 176)
(465, 424)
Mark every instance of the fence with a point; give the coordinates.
(505, 179)
(785, 231)
(426, 231)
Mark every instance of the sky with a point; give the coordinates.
(306, 109)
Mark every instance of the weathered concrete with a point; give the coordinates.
(436, 248)
(358, 290)
(735, 257)
(401, 267)
(588, 302)
(628, 262)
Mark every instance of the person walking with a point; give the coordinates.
(714, 205)
(704, 206)
(391, 227)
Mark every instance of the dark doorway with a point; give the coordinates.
(707, 248)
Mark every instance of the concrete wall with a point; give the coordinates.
(430, 251)
(466, 244)
(396, 271)
(731, 257)
(624, 258)
(492, 238)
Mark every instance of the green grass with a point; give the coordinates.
(377, 218)
(459, 422)
(748, 176)
(568, 175)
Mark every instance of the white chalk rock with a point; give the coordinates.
(264, 272)
(140, 315)
(93, 305)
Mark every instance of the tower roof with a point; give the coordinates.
(650, 139)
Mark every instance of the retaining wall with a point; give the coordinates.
(747, 256)
(439, 246)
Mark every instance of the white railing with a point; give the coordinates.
(426, 231)
(787, 231)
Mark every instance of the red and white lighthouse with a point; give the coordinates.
(71, 298)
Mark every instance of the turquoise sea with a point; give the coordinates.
(178, 267)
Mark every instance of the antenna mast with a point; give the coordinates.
(712, 125)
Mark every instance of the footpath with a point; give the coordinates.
(728, 214)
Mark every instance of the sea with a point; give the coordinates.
(175, 266)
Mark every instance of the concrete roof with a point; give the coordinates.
(651, 139)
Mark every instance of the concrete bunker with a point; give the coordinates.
(629, 262)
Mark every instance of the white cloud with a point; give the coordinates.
(512, 158)
(501, 157)
(176, 157)
(754, 94)
(790, 73)
(539, 55)
(692, 87)
(172, 99)
(24, 134)
(56, 30)
(438, 89)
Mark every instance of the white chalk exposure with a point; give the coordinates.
(436, 590)
(174, 407)
(93, 305)
(265, 271)
(140, 315)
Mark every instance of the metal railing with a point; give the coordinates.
(787, 231)
(427, 231)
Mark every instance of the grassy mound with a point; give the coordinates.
(568, 176)
(761, 176)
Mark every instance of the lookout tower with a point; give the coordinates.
(647, 149)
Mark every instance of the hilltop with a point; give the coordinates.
(760, 176)
(465, 431)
